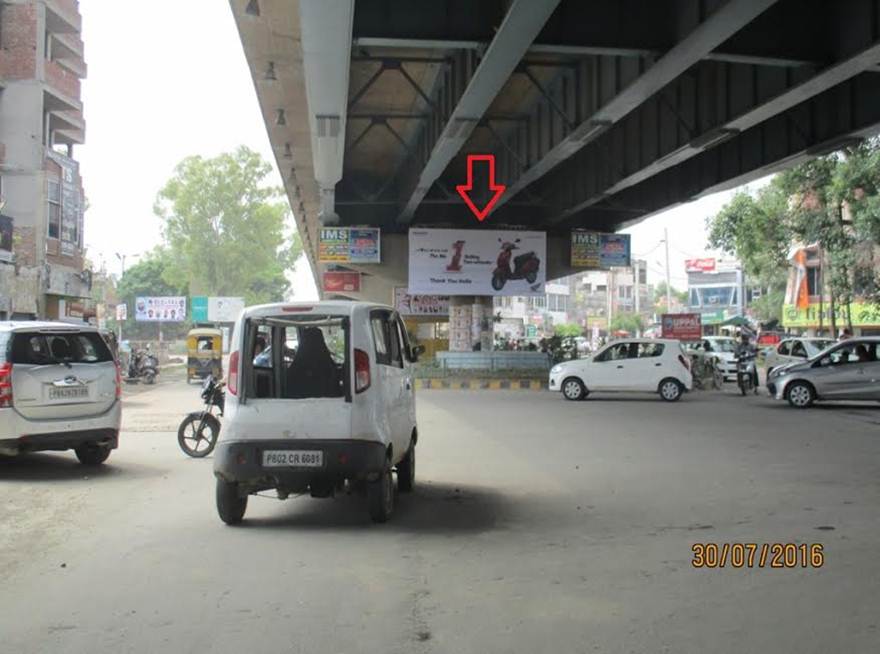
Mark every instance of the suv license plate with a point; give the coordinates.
(77, 392)
(294, 458)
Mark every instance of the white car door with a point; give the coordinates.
(653, 366)
(408, 397)
(608, 369)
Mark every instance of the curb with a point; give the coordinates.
(481, 384)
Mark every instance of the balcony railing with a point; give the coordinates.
(62, 80)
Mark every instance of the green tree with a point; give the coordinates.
(568, 329)
(226, 229)
(660, 297)
(628, 322)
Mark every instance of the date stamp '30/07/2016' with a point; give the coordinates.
(758, 555)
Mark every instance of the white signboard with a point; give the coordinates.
(477, 262)
(160, 309)
(224, 309)
(121, 311)
(420, 305)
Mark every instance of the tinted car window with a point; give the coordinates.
(44, 349)
(650, 349)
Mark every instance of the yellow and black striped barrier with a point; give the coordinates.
(482, 384)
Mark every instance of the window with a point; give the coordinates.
(647, 350)
(381, 338)
(54, 211)
(813, 277)
(784, 348)
(43, 349)
(850, 353)
(624, 292)
(6, 233)
(616, 352)
(797, 350)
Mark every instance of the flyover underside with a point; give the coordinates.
(598, 113)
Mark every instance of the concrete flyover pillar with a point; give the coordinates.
(470, 323)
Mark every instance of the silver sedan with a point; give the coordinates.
(849, 370)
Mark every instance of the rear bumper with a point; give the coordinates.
(242, 462)
(19, 434)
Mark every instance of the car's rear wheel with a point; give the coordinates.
(671, 390)
(380, 497)
(406, 470)
(230, 505)
(800, 395)
(573, 389)
(92, 455)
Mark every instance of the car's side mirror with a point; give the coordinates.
(417, 351)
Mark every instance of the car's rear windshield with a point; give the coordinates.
(44, 348)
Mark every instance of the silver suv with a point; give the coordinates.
(60, 389)
(849, 370)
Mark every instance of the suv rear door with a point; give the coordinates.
(61, 373)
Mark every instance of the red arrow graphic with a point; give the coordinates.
(465, 189)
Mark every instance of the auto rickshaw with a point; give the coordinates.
(204, 349)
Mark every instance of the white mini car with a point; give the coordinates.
(59, 390)
(332, 404)
(651, 365)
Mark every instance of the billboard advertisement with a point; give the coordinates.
(597, 250)
(160, 309)
(224, 309)
(420, 305)
(476, 262)
(337, 281)
(699, 265)
(683, 326)
(348, 245)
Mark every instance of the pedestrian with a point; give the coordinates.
(845, 334)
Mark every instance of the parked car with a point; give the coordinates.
(793, 350)
(339, 412)
(723, 348)
(651, 365)
(849, 370)
(60, 389)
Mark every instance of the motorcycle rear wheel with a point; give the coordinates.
(197, 434)
(498, 281)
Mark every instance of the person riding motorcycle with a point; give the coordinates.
(745, 351)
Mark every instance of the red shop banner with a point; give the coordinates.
(336, 281)
(683, 326)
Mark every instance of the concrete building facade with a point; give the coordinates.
(41, 120)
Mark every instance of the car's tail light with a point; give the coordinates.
(5, 385)
(232, 377)
(118, 381)
(684, 361)
(361, 371)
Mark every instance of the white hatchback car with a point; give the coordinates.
(60, 390)
(651, 365)
(794, 350)
(332, 404)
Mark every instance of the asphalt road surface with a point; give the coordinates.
(538, 525)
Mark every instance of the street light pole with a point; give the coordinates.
(668, 287)
(121, 258)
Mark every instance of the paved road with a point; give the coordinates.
(539, 525)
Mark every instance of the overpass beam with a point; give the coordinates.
(326, 29)
(705, 38)
(521, 25)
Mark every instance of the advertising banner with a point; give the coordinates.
(863, 314)
(71, 203)
(597, 250)
(349, 245)
(699, 265)
(160, 309)
(420, 305)
(683, 326)
(199, 308)
(477, 262)
(121, 312)
(224, 309)
(337, 281)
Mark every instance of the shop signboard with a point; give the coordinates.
(420, 305)
(683, 326)
(339, 281)
(477, 262)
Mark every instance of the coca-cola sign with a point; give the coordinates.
(700, 265)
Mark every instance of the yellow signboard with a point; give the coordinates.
(862, 313)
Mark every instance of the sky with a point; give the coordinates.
(168, 79)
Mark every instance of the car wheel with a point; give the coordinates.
(800, 395)
(92, 455)
(671, 390)
(380, 497)
(230, 505)
(574, 389)
(406, 470)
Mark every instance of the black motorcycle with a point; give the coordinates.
(197, 434)
(142, 366)
(746, 374)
